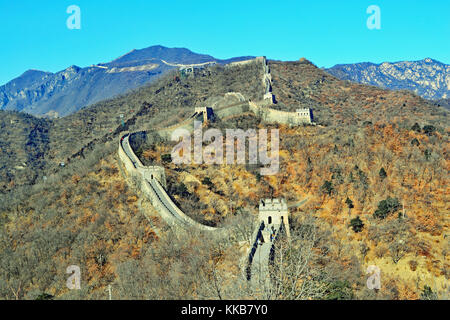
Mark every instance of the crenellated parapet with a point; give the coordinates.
(153, 185)
(273, 217)
(206, 112)
(269, 97)
(154, 172)
(273, 213)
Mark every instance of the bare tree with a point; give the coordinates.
(307, 266)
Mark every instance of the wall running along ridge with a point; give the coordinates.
(152, 179)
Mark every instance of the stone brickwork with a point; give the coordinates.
(207, 112)
(153, 182)
(273, 217)
(273, 213)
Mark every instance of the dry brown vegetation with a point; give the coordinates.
(23, 144)
(86, 214)
(344, 160)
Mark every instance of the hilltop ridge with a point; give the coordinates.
(428, 78)
(64, 92)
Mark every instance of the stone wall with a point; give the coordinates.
(162, 210)
(165, 198)
(231, 110)
(269, 97)
(152, 182)
(129, 166)
(187, 124)
(274, 212)
(241, 63)
(262, 110)
(154, 172)
(134, 166)
(273, 216)
(207, 112)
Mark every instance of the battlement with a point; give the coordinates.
(207, 112)
(187, 71)
(274, 214)
(272, 205)
(154, 172)
(305, 113)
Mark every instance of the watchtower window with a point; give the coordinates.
(152, 176)
(270, 220)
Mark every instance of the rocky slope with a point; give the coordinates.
(428, 78)
(64, 92)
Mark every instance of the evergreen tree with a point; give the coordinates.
(349, 203)
(386, 207)
(356, 224)
(416, 127)
(382, 173)
(429, 130)
(428, 294)
(327, 187)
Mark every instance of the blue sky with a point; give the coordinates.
(34, 34)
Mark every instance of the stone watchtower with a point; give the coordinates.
(273, 216)
(207, 112)
(187, 71)
(305, 115)
(274, 213)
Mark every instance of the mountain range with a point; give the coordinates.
(428, 78)
(62, 93)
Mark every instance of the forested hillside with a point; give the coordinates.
(24, 142)
(374, 170)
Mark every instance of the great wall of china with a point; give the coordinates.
(273, 213)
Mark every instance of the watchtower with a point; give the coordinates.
(187, 71)
(269, 97)
(207, 112)
(305, 114)
(274, 213)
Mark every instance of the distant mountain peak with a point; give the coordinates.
(129, 52)
(73, 68)
(73, 88)
(176, 55)
(32, 71)
(431, 60)
(27, 78)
